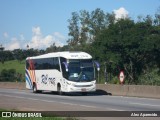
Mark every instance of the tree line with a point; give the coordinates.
(118, 44)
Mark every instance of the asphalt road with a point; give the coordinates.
(26, 100)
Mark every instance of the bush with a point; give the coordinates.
(151, 77)
(8, 75)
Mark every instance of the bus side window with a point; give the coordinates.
(56, 64)
(65, 74)
(27, 64)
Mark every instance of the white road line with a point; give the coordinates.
(111, 109)
(34, 99)
(131, 97)
(33, 94)
(145, 104)
(21, 97)
(47, 101)
(89, 106)
(67, 103)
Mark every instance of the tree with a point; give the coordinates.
(126, 45)
(85, 26)
(74, 30)
(18, 54)
(1, 48)
(97, 22)
(52, 48)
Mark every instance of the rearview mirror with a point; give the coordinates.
(66, 66)
(97, 65)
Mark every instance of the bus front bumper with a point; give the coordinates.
(81, 88)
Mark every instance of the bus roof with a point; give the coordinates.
(66, 54)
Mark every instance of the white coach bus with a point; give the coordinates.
(61, 72)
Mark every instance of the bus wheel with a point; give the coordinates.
(59, 90)
(34, 88)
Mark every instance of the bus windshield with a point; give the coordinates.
(81, 70)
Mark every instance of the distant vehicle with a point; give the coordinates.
(61, 72)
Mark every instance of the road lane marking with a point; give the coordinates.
(67, 103)
(145, 104)
(111, 109)
(30, 98)
(49, 101)
(89, 106)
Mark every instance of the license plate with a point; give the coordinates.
(83, 89)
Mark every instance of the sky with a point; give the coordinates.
(40, 23)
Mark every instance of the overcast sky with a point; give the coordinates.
(40, 23)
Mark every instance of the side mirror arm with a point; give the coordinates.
(66, 66)
(97, 65)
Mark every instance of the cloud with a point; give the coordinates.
(121, 13)
(39, 41)
(36, 31)
(5, 34)
(14, 44)
(22, 37)
(59, 36)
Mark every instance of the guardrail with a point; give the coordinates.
(110, 89)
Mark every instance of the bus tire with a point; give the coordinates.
(59, 90)
(34, 88)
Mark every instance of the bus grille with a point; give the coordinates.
(82, 85)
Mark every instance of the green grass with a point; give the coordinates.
(14, 64)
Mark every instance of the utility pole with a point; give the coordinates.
(105, 72)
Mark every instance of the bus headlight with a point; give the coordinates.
(94, 82)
